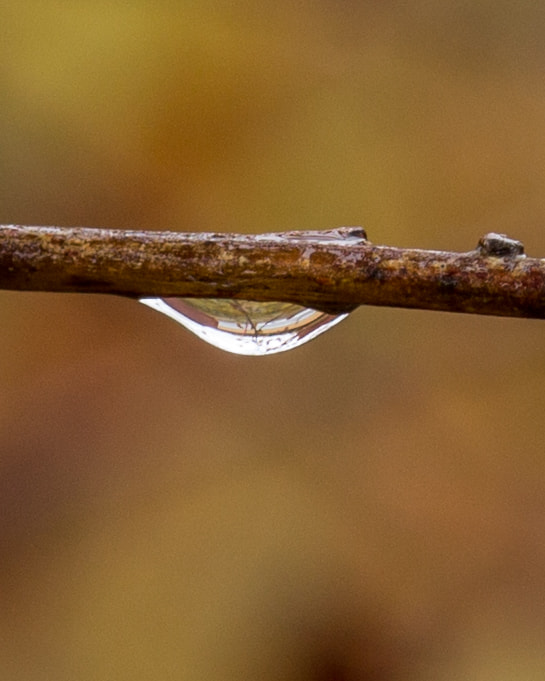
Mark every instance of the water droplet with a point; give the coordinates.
(245, 327)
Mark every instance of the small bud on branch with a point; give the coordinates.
(333, 270)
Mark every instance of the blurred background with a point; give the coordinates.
(368, 506)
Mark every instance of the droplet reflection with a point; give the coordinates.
(245, 327)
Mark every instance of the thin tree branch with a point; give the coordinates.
(334, 271)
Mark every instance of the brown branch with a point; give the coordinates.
(334, 270)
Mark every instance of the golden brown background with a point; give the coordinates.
(369, 506)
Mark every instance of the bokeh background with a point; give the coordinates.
(369, 506)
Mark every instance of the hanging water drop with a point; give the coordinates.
(245, 327)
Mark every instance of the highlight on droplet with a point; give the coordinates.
(245, 327)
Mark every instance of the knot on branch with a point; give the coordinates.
(352, 233)
(500, 246)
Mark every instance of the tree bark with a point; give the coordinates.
(335, 270)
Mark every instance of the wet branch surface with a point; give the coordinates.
(334, 270)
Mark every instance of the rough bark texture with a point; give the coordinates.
(333, 270)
